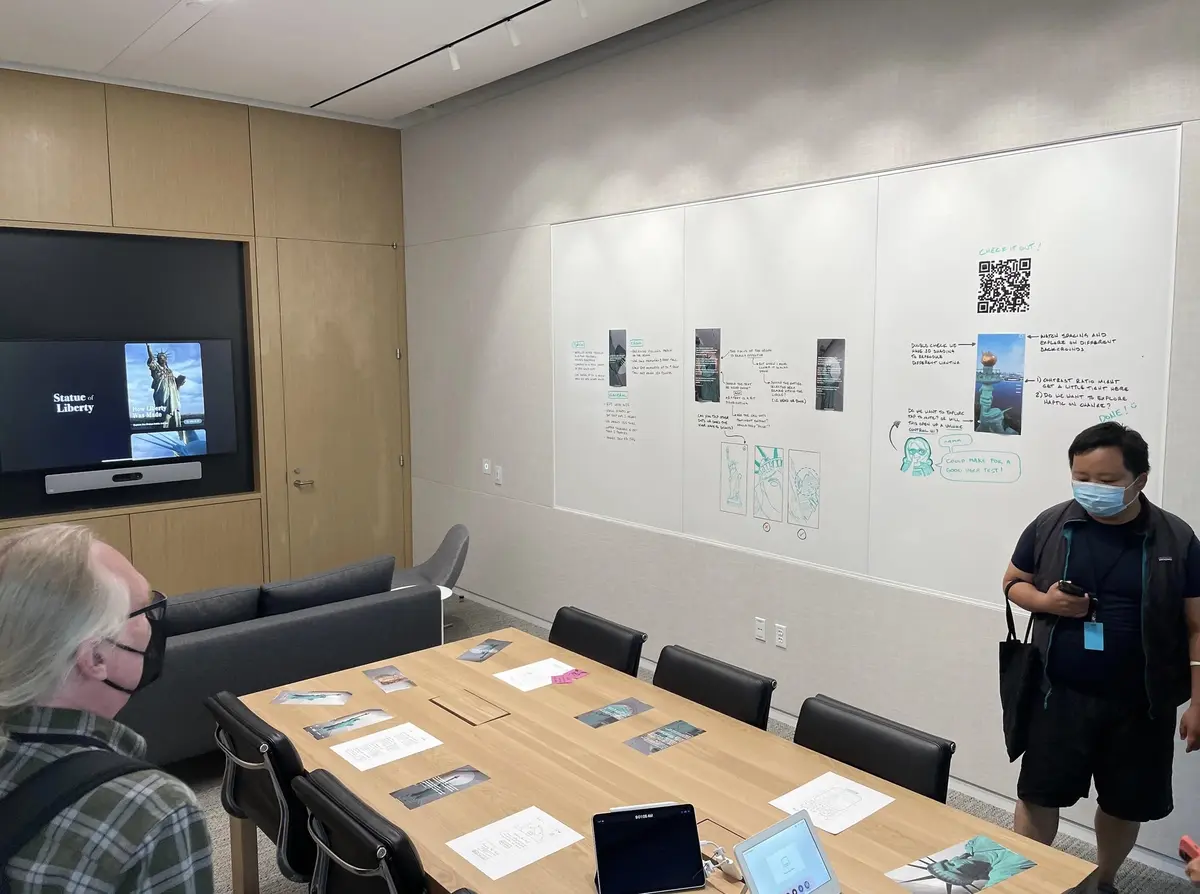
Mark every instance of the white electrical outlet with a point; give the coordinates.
(760, 629)
(499, 476)
(781, 636)
(487, 467)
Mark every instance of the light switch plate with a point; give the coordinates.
(760, 629)
(499, 476)
(487, 467)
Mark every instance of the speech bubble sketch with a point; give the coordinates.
(952, 441)
(981, 467)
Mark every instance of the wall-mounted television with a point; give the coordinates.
(121, 355)
(71, 404)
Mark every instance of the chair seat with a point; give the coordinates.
(916, 760)
(734, 691)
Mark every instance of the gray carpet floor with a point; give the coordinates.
(470, 619)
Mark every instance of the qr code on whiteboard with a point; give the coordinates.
(1004, 286)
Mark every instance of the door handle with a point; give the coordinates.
(306, 483)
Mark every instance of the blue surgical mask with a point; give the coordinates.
(1100, 500)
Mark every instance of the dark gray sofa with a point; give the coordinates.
(245, 639)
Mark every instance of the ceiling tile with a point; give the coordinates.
(74, 35)
(297, 52)
(546, 33)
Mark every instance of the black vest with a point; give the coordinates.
(1165, 547)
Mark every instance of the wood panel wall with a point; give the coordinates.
(82, 155)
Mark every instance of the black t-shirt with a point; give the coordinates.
(1106, 560)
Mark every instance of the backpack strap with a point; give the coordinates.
(46, 793)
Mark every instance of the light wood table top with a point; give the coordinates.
(537, 754)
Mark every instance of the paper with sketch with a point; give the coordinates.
(968, 867)
(533, 676)
(514, 842)
(385, 746)
(834, 803)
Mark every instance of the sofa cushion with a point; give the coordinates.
(211, 608)
(361, 579)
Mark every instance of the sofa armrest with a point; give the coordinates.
(274, 651)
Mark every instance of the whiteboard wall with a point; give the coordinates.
(879, 376)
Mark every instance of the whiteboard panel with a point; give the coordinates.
(774, 459)
(618, 409)
(1021, 298)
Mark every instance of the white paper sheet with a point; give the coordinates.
(834, 803)
(513, 842)
(533, 676)
(385, 746)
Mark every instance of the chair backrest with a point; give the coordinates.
(734, 691)
(260, 764)
(597, 638)
(918, 761)
(360, 851)
(446, 564)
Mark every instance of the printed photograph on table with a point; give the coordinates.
(618, 363)
(484, 650)
(664, 737)
(965, 868)
(389, 679)
(999, 383)
(437, 787)
(831, 374)
(625, 708)
(346, 724)
(708, 366)
(287, 697)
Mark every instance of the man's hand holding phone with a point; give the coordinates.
(1067, 600)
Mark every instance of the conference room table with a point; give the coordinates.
(537, 754)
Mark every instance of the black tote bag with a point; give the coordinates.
(1020, 683)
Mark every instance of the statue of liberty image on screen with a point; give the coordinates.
(165, 384)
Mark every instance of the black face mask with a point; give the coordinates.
(155, 652)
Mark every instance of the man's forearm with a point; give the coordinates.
(1028, 597)
(1194, 653)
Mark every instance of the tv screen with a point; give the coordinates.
(72, 404)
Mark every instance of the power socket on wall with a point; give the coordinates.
(781, 636)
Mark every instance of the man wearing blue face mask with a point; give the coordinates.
(1112, 581)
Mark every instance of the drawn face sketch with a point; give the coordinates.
(807, 485)
(768, 492)
(918, 457)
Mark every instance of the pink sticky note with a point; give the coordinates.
(569, 677)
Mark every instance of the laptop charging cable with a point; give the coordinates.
(719, 862)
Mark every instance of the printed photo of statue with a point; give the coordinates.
(999, 384)
(918, 458)
(966, 868)
(165, 387)
(618, 349)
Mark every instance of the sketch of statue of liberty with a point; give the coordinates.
(733, 478)
(768, 483)
(804, 488)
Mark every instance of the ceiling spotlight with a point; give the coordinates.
(513, 36)
(583, 10)
(455, 65)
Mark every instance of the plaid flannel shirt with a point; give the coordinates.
(143, 832)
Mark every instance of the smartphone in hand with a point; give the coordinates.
(1071, 589)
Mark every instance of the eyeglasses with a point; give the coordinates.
(156, 610)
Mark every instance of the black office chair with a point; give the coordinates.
(359, 851)
(597, 638)
(260, 764)
(918, 761)
(738, 693)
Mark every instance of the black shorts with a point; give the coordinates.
(1074, 738)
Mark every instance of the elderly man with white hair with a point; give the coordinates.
(80, 632)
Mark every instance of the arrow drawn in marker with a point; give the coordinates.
(895, 425)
